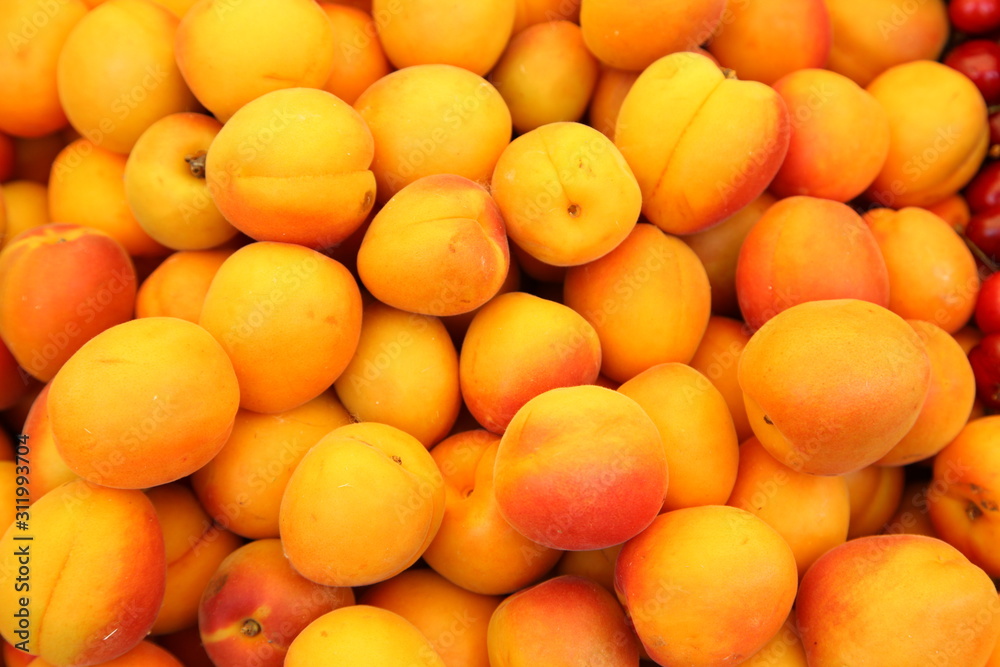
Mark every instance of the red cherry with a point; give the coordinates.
(979, 59)
(975, 16)
(985, 361)
(988, 305)
(984, 231)
(983, 191)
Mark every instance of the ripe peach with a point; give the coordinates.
(117, 73)
(255, 604)
(471, 35)
(404, 374)
(698, 437)
(358, 57)
(686, 188)
(242, 486)
(853, 591)
(61, 285)
(566, 193)
(453, 619)
(293, 166)
(475, 547)
(26, 204)
(562, 622)
(609, 93)
(143, 403)
(718, 248)
(632, 36)
(811, 512)
(718, 359)
(361, 635)
(812, 373)
(94, 549)
(706, 586)
(964, 500)
(748, 32)
(362, 506)
(875, 494)
(438, 247)
(532, 12)
(29, 100)
(194, 549)
(48, 469)
(649, 300)
(87, 188)
(869, 37)
(145, 654)
(165, 183)
(839, 139)
(938, 133)
(546, 75)
(288, 317)
(177, 287)
(932, 273)
(433, 119)
(519, 346)
(777, 270)
(949, 399)
(580, 468)
(293, 46)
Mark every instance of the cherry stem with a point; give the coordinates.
(980, 255)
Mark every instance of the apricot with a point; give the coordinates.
(26, 204)
(811, 512)
(963, 501)
(293, 166)
(61, 285)
(94, 549)
(475, 547)
(854, 590)
(718, 248)
(242, 486)
(932, 273)
(686, 188)
(912, 515)
(632, 36)
(839, 139)
(784, 649)
(812, 374)
(952, 209)
(546, 75)
(255, 604)
(145, 654)
(293, 47)
(433, 119)
(117, 73)
(362, 506)
(718, 358)
(47, 467)
(404, 374)
(438, 247)
(87, 188)
(471, 36)
(566, 193)
(871, 37)
(609, 93)
(649, 300)
(580, 468)
(143, 403)
(938, 133)
(875, 494)
(777, 268)
(949, 398)
(361, 635)
(748, 30)
(453, 619)
(706, 586)
(532, 12)
(597, 565)
(165, 183)
(519, 346)
(288, 317)
(358, 57)
(177, 287)
(698, 436)
(29, 99)
(565, 621)
(458, 325)
(194, 549)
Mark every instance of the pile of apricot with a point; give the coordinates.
(498, 333)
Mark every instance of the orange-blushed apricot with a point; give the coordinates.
(718, 359)
(26, 204)
(48, 469)
(358, 57)
(597, 565)
(177, 287)
(531, 12)
(875, 493)
(609, 93)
